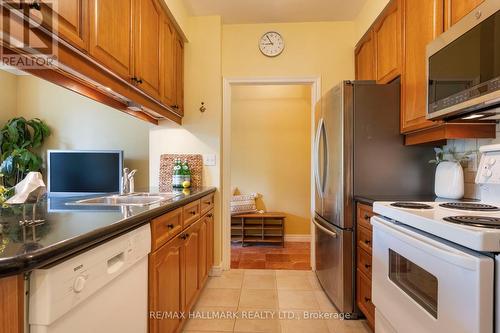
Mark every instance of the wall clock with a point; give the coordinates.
(271, 44)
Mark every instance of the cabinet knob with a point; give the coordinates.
(208, 202)
(170, 226)
(210, 215)
(175, 106)
(136, 80)
(368, 265)
(367, 241)
(35, 5)
(193, 212)
(367, 217)
(368, 299)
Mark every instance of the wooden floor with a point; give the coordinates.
(295, 255)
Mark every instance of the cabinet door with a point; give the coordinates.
(191, 262)
(179, 75)
(364, 55)
(419, 30)
(166, 285)
(210, 241)
(168, 63)
(67, 18)
(456, 9)
(111, 34)
(202, 257)
(387, 39)
(147, 41)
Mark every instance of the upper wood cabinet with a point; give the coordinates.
(111, 35)
(419, 30)
(388, 43)
(454, 10)
(364, 58)
(148, 18)
(168, 63)
(66, 18)
(179, 74)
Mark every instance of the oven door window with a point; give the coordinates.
(416, 282)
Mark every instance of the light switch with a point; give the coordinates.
(209, 160)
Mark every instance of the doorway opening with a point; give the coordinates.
(267, 163)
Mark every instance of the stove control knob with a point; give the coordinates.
(79, 284)
(487, 173)
(491, 161)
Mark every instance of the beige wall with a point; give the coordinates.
(322, 49)
(8, 96)
(270, 149)
(367, 16)
(80, 123)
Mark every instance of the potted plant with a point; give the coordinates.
(449, 180)
(19, 141)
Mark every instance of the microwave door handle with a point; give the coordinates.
(329, 232)
(424, 243)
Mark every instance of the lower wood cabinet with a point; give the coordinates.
(364, 262)
(178, 271)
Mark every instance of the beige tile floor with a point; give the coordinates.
(267, 301)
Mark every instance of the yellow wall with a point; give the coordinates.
(271, 149)
(323, 49)
(200, 132)
(81, 123)
(367, 15)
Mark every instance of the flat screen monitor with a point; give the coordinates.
(80, 172)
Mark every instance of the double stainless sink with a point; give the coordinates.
(133, 199)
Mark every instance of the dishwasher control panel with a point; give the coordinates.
(56, 290)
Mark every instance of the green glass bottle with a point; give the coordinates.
(186, 172)
(177, 174)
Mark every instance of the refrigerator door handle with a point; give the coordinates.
(329, 232)
(317, 179)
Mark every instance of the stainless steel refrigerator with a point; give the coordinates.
(358, 151)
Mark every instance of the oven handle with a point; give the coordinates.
(331, 233)
(434, 248)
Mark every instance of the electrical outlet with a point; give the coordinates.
(472, 163)
(209, 160)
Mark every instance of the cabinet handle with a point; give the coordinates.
(367, 241)
(170, 226)
(208, 202)
(368, 265)
(367, 217)
(136, 80)
(193, 212)
(210, 215)
(183, 237)
(175, 106)
(368, 299)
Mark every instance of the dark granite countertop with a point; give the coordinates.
(68, 229)
(370, 199)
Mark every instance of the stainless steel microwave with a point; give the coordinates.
(463, 67)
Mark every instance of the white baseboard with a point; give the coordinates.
(298, 238)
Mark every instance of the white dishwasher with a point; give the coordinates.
(102, 290)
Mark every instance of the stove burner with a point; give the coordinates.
(475, 221)
(411, 205)
(470, 206)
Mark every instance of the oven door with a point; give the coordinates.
(424, 284)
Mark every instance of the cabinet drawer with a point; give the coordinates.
(207, 203)
(364, 262)
(364, 237)
(364, 297)
(364, 213)
(191, 213)
(164, 227)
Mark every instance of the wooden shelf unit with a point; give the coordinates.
(258, 228)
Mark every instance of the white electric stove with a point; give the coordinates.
(434, 262)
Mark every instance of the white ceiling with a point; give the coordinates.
(270, 11)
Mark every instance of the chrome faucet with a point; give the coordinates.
(128, 181)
